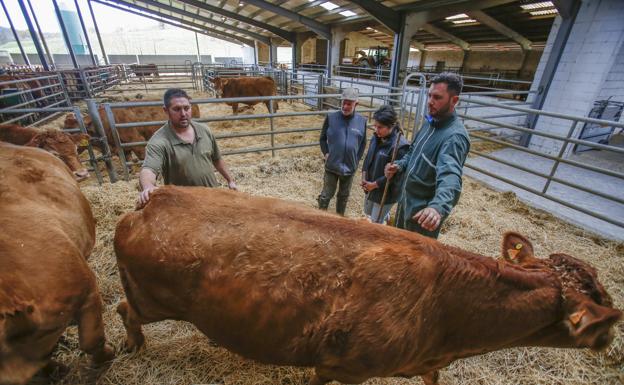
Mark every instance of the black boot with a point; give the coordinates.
(323, 203)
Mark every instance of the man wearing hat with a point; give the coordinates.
(343, 139)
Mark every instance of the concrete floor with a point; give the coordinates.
(599, 182)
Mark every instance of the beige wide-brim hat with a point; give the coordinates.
(350, 94)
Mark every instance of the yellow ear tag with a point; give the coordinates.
(575, 318)
(518, 246)
(513, 253)
(84, 143)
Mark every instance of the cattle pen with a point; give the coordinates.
(274, 153)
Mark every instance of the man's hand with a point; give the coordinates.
(390, 170)
(144, 196)
(428, 218)
(369, 186)
(232, 185)
(326, 156)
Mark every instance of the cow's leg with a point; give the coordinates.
(132, 323)
(139, 152)
(234, 108)
(268, 105)
(54, 371)
(431, 378)
(91, 329)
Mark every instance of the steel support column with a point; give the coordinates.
(84, 31)
(328, 60)
(17, 40)
(410, 23)
(295, 47)
(271, 56)
(33, 35)
(551, 68)
(43, 42)
(97, 33)
(65, 34)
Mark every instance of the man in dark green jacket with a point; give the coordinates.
(433, 165)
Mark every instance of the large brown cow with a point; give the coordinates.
(130, 134)
(58, 143)
(289, 285)
(48, 231)
(246, 87)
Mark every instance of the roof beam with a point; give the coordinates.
(500, 28)
(179, 11)
(286, 35)
(439, 32)
(205, 31)
(386, 16)
(450, 7)
(565, 7)
(319, 28)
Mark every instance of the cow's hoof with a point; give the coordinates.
(106, 354)
(134, 344)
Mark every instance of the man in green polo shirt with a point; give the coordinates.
(185, 153)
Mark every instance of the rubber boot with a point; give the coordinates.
(323, 203)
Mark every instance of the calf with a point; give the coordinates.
(48, 231)
(130, 134)
(60, 144)
(289, 285)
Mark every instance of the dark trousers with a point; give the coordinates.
(330, 182)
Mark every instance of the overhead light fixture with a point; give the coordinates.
(544, 12)
(348, 13)
(329, 6)
(369, 28)
(241, 4)
(464, 21)
(459, 16)
(412, 49)
(223, 18)
(542, 4)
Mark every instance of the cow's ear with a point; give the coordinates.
(516, 248)
(37, 141)
(590, 324)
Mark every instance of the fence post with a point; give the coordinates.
(83, 78)
(272, 129)
(99, 129)
(321, 83)
(118, 143)
(64, 88)
(564, 146)
(92, 158)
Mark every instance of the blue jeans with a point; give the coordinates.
(371, 209)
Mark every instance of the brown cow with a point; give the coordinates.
(143, 70)
(48, 231)
(246, 87)
(58, 143)
(129, 134)
(290, 285)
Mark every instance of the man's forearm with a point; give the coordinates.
(222, 169)
(147, 178)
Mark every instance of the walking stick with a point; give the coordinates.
(385, 193)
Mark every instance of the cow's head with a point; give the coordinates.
(71, 122)
(218, 84)
(587, 314)
(64, 147)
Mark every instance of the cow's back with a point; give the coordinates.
(48, 231)
(244, 87)
(281, 289)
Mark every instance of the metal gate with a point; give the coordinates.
(603, 109)
(413, 104)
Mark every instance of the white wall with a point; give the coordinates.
(590, 58)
